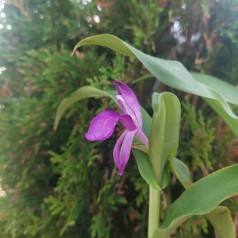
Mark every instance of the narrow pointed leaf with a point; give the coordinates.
(174, 74)
(181, 171)
(201, 198)
(108, 41)
(81, 93)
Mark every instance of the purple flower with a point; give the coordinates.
(102, 126)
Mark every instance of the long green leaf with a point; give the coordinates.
(164, 135)
(220, 217)
(173, 74)
(227, 91)
(201, 198)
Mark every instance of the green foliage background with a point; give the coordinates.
(56, 183)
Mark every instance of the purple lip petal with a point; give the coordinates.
(130, 101)
(141, 135)
(116, 150)
(102, 126)
(122, 149)
(127, 122)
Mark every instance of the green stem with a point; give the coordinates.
(154, 211)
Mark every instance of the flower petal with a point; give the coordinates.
(128, 102)
(127, 122)
(102, 126)
(141, 135)
(122, 149)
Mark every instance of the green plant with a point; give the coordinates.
(163, 133)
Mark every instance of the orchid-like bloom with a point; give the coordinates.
(102, 126)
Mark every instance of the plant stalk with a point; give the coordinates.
(154, 211)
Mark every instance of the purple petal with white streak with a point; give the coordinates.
(128, 102)
(122, 150)
(102, 126)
